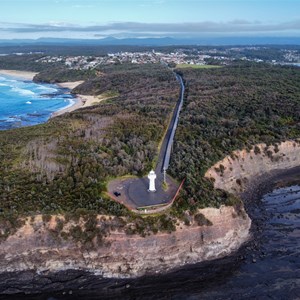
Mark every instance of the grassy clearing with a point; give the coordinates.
(184, 66)
(110, 94)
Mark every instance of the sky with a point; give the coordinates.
(32, 19)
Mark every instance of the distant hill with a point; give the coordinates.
(165, 41)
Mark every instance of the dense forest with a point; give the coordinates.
(62, 167)
(226, 109)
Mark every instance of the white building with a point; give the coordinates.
(152, 177)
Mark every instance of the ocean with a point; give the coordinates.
(25, 103)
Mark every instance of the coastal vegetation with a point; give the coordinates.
(226, 109)
(23, 63)
(62, 74)
(62, 167)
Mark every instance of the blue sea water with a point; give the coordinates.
(25, 103)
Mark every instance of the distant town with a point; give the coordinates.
(89, 58)
(180, 56)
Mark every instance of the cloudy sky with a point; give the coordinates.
(145, 18)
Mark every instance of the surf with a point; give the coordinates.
(26, 103)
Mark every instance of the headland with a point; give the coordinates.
(212, 234)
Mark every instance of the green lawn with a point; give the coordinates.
(183, 66)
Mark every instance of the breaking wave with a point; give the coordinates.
(24, 103)
(23, 92)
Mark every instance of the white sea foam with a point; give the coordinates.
(7, 84)
(23, 92)
(13, 119)
(46, 89)
(10, 80)
(71, 103)
(25, 97)
(7, 79)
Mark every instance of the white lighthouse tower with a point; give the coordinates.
(152, 177)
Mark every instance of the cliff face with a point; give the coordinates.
(34, 247)
(121, 255)
(234, 172)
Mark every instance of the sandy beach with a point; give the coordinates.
(77, 104)
(20, 74)
(79, 101)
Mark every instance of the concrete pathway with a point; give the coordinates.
(133, 192)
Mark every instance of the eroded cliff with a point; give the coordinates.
(119, 255)
(33, 247)
(235, 173)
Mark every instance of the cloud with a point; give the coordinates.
(234, 27)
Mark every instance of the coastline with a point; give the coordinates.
(20, 74)
(241, 167)
(123, 257)
(100, 282)
(26, 75)
(126, 256)
(87, 282)
(78, 102)
(263, 184)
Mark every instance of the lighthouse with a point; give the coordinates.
(152, 177)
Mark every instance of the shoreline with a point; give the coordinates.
(263, 184)
(157, 255)
(96, 285)
(100, 282)
(137, 256)
(20, 74)
(79, 101)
